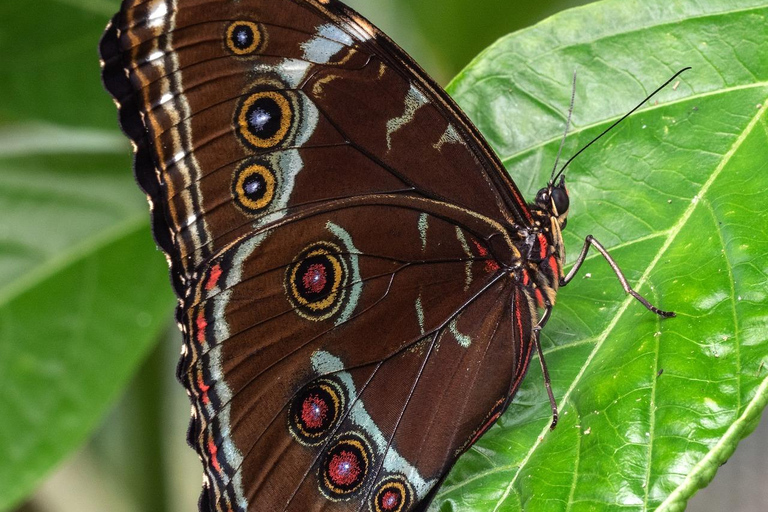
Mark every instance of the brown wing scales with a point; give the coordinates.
(326, 209)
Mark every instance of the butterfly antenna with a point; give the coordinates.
(562, 169)
(565, 133)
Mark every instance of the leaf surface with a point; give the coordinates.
(83, 291)
(649, 408)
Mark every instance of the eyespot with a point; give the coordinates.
(393, 494)
(253, 187)
(264, 119)
(243, 37)
(560, 200)
(345, 466)
(315, 410)
(315, 281)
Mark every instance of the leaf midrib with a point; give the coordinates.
(77, 252)
(672, 234)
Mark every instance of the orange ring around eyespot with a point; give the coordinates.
(392, 484)
(364, 453)
(286, 116)
(239, 187)
(338, 277)
(257, 37)
(338, 402)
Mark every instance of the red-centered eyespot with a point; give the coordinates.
(315, 410)
(390, 500)
(345, 466)
(392, 494)
(315, 281)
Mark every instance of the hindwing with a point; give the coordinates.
(331, 361)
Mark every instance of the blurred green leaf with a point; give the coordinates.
(84, 293)
(649, 408)
(77, 312)
(444, 35)
(50, 61)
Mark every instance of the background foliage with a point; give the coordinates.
(678, 193)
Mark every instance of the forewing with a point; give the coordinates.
(243, 112)
(328, 214)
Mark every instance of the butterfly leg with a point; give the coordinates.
(590, 241)
(547, 383)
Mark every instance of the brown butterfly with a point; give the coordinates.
(359, 280)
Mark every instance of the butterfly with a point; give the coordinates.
(361, 285)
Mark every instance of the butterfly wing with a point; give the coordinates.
(196, 105)
(328, 213)
(336, 365)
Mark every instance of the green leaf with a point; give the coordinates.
(50, 61)
(443, 35)
(649, 408)
(84, 293)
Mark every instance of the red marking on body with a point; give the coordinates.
(315, 278)
(526, 278)
(553, 265)
(212, 450)
(390, 500)
(539, 298)
(544, 246)
(313, 411)
(213, 280)
(201, 325)
(521, 204)
(518, 318)
(344, 468)
(204, 388)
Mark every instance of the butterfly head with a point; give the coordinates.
(554, 200)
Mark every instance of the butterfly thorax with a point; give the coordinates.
(542, 248)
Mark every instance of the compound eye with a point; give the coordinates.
(560, 199)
